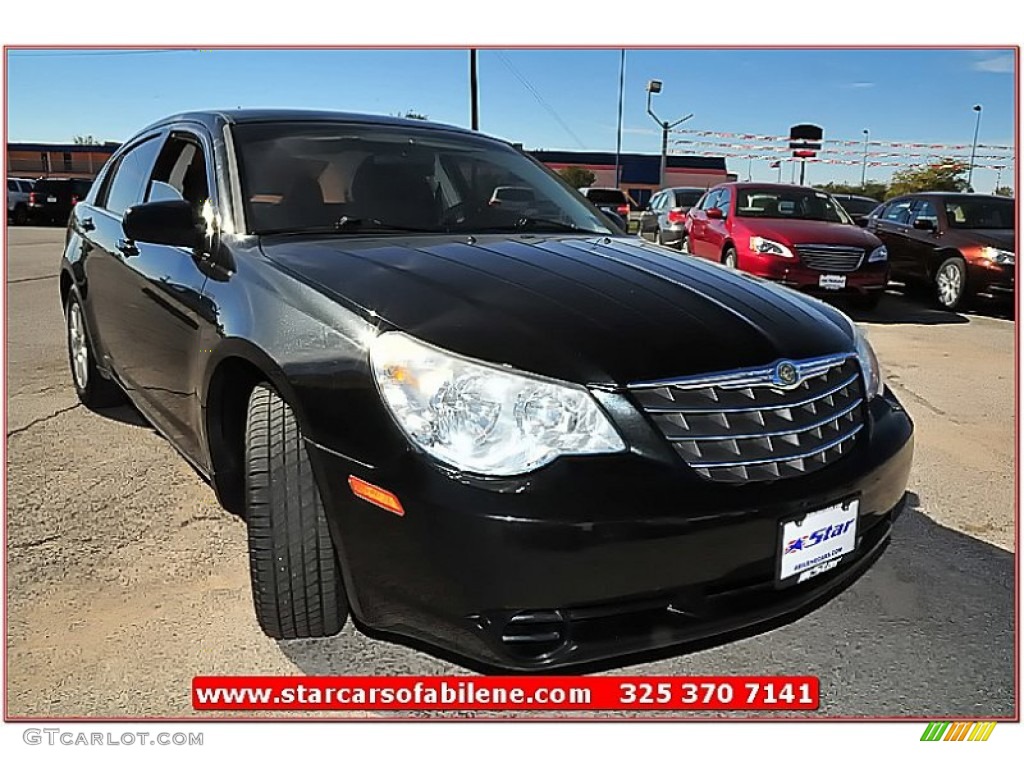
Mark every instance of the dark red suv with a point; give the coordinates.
(794, 235)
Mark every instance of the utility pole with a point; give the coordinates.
(474, 96)
(653, 87)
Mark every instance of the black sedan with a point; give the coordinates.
(509, 436)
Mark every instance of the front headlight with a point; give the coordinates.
(483, 419)
(997, 255)
(881, 253)
(874, 385)
(764, 245)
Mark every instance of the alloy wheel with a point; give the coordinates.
(79, 346)
(949, 283)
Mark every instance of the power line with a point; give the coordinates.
(66, 53)
(539, 98)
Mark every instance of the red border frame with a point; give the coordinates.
(486, 718)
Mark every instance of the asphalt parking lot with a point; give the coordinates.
(126, 579)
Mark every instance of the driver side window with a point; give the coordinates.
(711, 201)
(180, 173)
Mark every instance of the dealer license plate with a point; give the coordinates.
(832, 282)
(815, 543)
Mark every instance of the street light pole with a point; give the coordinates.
(974, 146)
(618, 132)
(864, 165)
(653, 87)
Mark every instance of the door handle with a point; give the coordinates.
(87, 224)
(127, 247)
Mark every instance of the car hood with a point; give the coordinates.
(792, 232)
(605, 311)
(996, 238)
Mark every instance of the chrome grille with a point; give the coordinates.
(830, 258)
(743, 426)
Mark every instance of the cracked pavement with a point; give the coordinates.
(126, 579)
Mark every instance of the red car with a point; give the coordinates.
(796, 236)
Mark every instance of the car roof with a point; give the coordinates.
(976, 195)
(740, 185)
(210, 118)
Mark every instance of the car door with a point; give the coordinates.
(170, 313)
(892, 228)
(717, 230)
(699, 224)
(921, 244)
(649, 217)
(109, 295)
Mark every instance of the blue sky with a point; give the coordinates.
(551, 99)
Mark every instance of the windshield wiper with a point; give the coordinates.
(541, 224)
(355, 224)
(348, 225)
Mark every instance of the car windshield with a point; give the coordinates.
(979, 213)
(358, 178)
(776, 203)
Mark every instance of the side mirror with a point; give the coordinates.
(928, 225)
(861, 221)
(165, 222)
(715, 213)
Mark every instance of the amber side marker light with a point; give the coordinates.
(376, 496)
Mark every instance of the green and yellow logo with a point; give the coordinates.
(958, 731)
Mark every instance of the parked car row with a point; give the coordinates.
(43, 201)
(962, 246)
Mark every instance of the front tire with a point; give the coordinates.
(730, 258)
(93, 390)
(296, 581)
(951, 284)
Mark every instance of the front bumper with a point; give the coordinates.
(991, 281)
(868, 278)
(597, 557)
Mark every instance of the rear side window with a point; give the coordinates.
(607, 196)
(130, 177)
(687, 199)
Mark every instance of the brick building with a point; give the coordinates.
(75, 161)
(639, 173)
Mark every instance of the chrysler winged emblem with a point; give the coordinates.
(785, 374)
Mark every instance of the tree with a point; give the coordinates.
(873, 189)
(87, 140)
(947, 175)
(411, 115)
(1004, 191)
(577, 177)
